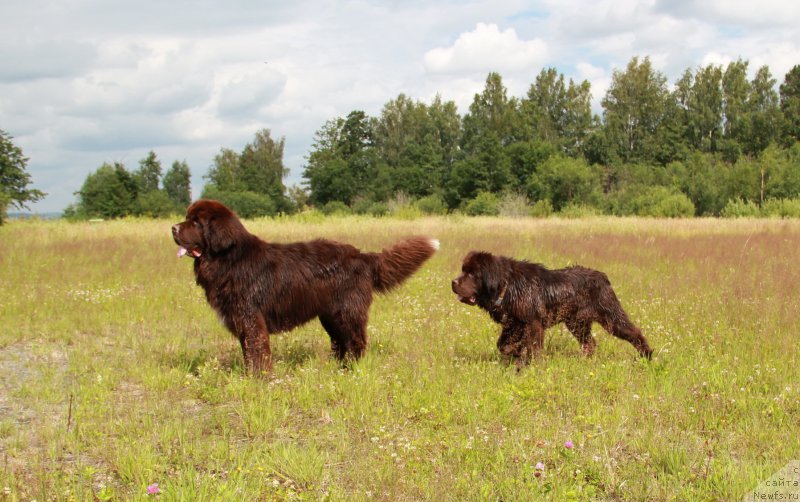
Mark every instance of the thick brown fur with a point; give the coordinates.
(259, 288)
(527, 298)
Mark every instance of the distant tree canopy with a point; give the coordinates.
(715, 138)
(250, 182)
(14, 179)
(113, 192)
(716, 142)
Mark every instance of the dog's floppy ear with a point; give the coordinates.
(221, 231)
(492, 273)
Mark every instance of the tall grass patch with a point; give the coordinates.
(115, 374)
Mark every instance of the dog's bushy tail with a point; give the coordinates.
(394, 265)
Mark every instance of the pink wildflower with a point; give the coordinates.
(569, 445)
(153, 489)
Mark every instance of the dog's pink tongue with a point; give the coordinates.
(182, 252)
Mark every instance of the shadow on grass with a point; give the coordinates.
(294, 355)
(190, 362)
(463, 356)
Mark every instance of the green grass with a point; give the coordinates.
(115, 374)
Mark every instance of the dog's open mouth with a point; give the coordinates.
(182, 251)
(469, 300)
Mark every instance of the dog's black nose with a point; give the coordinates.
(455, 282)
(175, 229)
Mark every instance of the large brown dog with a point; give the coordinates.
(527, 298)
(259, 288)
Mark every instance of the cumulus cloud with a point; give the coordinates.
(486, 48)
(245, 95)
(97, 81)
(744, 13)
(117, 133)
(35, 59)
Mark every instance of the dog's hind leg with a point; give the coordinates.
(582, 331)
(348, 332)
(338, 339)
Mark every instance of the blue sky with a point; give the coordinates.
(92, 81)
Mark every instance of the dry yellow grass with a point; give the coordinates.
(115, 374)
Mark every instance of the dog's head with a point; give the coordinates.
(481, 278)
(210, 228)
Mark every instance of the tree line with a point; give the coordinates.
(717, 143)
(251, 182)
(112, 191)
(714, 143)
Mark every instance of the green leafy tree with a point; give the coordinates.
(557, 113)
(763, 113)
(447, 127)
(148, 176)
(525, 157)
(245, 203)
(578, 122)
(655, 200)
(155, 204)
(671, 144)
(701, 178)
(342, 164)
(705, 109)
(493, 112)
(261, 167)
(490, 126)
(790, 106)
(14, 179)
(109, 192)
(564, 180)
(299, 197)
(484, 204)
(257, 170)
(224, 172)
(178, 185)
(409, 145)
(742, 181)
(781, 168)
(735, 90)
(634, 108)
(486, 169)
(681, 102)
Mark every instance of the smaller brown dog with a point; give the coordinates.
(527, 298)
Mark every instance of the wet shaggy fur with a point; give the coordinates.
(260, 288)
(527, 298)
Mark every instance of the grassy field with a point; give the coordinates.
(115, 375)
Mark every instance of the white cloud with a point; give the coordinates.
(486, 48)
(245, 95)
(95, 81)
(772, 14)
(26, 59)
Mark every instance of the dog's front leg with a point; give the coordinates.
(254, 339)
(519, 341)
